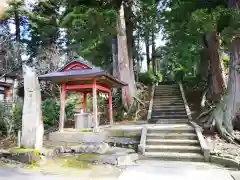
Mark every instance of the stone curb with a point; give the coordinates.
(227, 162)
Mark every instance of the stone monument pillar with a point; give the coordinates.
(32, 124)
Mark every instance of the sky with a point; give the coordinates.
(158, 42)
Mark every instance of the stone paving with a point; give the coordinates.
(142, 170)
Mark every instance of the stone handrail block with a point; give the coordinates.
(198, 129)
(151, 103)
(204, 146)
(185, 102)
(141, 146)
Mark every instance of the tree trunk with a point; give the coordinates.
(128, 14)
(146, 38)
(226, 111)
(115, 71)
(17, 26)
(153, 53)
(217, 84)
(129, 91)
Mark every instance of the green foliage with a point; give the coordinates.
(17, 115)
(10, 119)
(51, 109)
(149, 78)
(226, 62)
(50, 112)
(92, 27)
(185, 22)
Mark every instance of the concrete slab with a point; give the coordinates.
(177, 164)
(180, 172)
(235, 175)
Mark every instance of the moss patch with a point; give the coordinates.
(86, 131)
(2, 164)
(31, 155)
(78, 161)
(24, 150)
(87, 156)
(132, 137)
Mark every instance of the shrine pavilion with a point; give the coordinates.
(79, 76)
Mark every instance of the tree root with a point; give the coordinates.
(204, 99)
(205, 113)
(230, 138)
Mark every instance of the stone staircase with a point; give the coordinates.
(172, 137)
(168, 106)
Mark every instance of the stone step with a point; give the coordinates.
(170, 135)
(167, 94)
(168, 101)
(165, 111)
(179, 128)
(157, 113)
(167, 88)
(165, 101)
(168, 98)
(167, 91)
(169, 108)
(155, 121)
(190, 142)
(161, 107)
(172, 148)
(167, 85)
(170, 116)
(175, 156)
(170, 122)
(181, 110)
(168, 104)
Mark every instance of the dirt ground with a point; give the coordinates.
(218, 145)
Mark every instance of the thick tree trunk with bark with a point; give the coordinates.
(17, 26)
(115, 71)
(146, 39)
(128, 14)
(115, 58)
(153, 53)
(216, 81)
(226, 111)
(129, 91)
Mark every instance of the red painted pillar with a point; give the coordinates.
(110, 109)
(84, 102)
(62, 107)
(94, 103)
